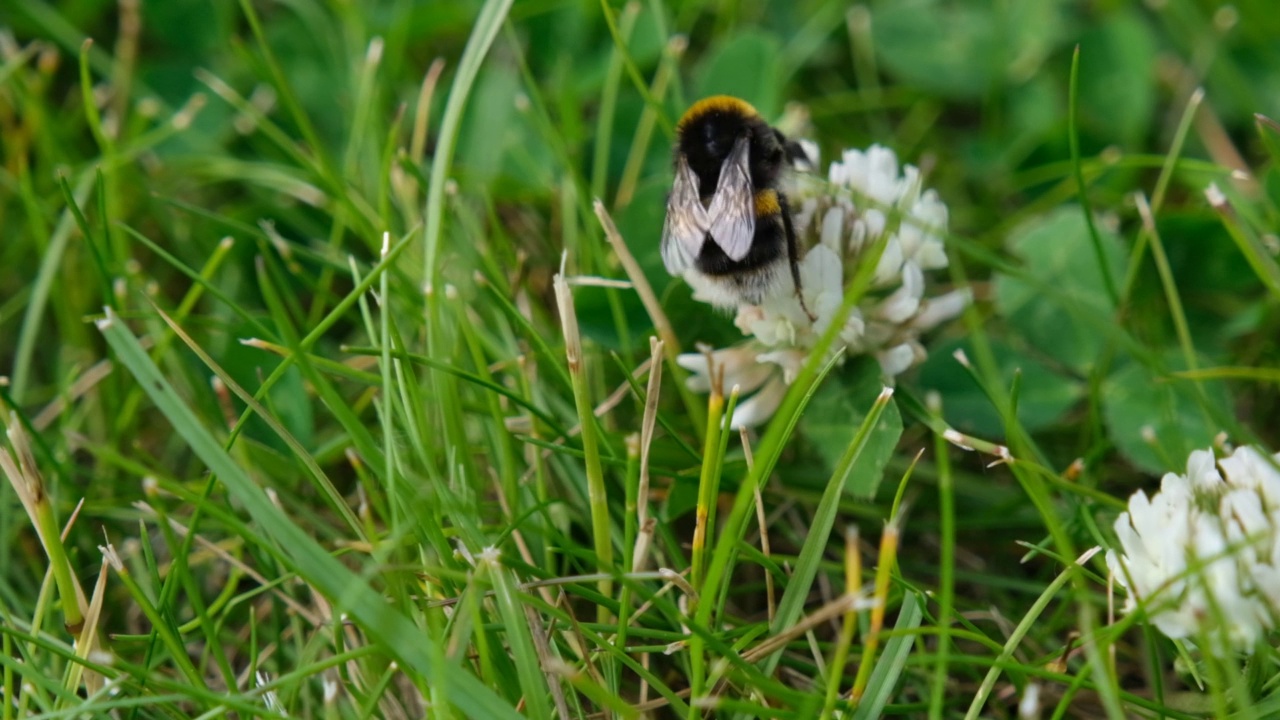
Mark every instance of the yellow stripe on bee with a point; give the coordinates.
(767, 203)
(716, 104)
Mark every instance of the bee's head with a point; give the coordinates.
(716, 133)
(709, 130)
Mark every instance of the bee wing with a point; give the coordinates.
(733, 212)
(687, 222)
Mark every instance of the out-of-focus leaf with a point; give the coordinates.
(1269, 131)
(1038, 107)
(682, 498)
(964, 50)
(640, 223)
(1271, 184)
(590, 68)
(1156, 421)
(839, 407)
(1117, 94)
(596, 317)
(953, 51)
(486, 136)
(1202, 256)
(1057, 252)
(1044, 395)
(1033, 31)
(746, 67)
(1218, 288)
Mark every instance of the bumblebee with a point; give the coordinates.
(728, 230)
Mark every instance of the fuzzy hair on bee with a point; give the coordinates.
(728, 230)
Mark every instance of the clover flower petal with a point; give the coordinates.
(1202, 555)
(761, 406)
(738, 363)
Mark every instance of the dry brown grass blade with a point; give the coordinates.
(887, 557)
(24, 476)
(18, 480)
(546, 658)
(597, 490)
(643, 288)
(644, 538)
(422, 113)
(303, 612)
(89, 644)
(834, 609)
(81, 615)
(564, 603)
(826, 613)
(86, 381)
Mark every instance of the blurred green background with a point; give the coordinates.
(975, 93)
(304, 130)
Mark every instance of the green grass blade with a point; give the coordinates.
(295, 547)
(483, 33)
(893, 661)
(50, 260)
(811, 555)
(1073, 136)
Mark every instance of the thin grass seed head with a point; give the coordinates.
(1202, 555)
(868, 198)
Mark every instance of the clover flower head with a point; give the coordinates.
(1202, 555)
(868, 200)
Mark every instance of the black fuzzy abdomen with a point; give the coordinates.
(768, 246)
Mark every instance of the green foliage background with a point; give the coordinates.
(296, 129)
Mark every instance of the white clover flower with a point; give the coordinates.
(1202, 555)
(868, 198)
(760, 376)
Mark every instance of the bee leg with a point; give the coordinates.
(793, 151)
(793, 257)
